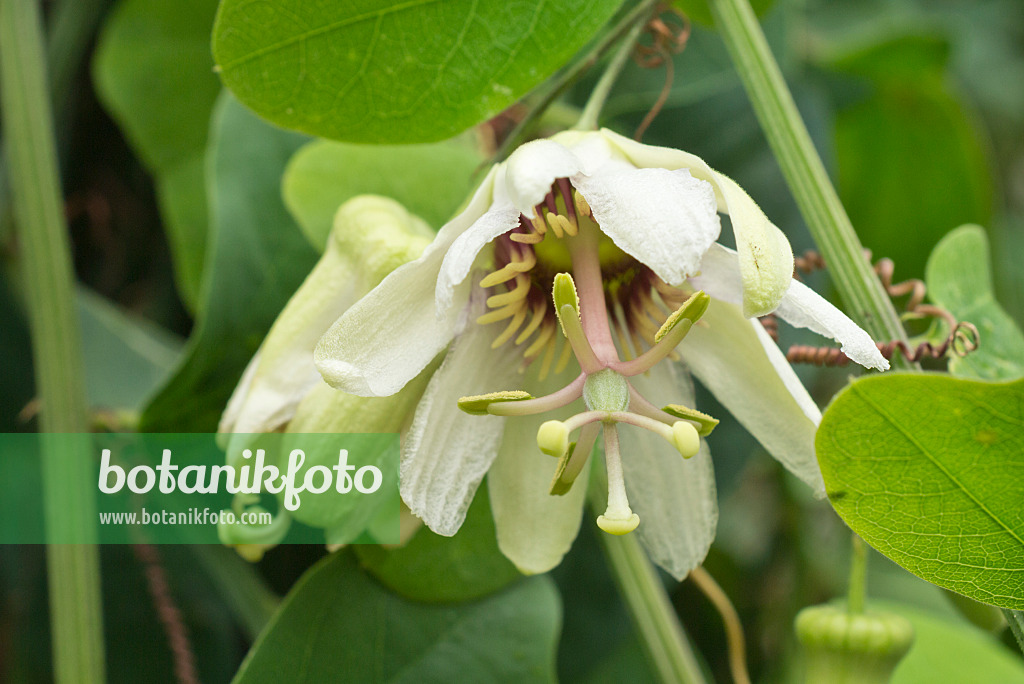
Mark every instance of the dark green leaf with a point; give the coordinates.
(431, 181)
(154, 72)
(258, 258)
(912, 162)
(435, 568)
(959, 279)
(392, 71)
(339, 624)
(929, 470)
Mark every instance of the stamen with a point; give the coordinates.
(553, 438)
(549, 356)
(564, 358)
(577, 340)
(571, 464)
(499, 314)
(530, 406)
(478, 405)
(668, 336)
(681, 434)
(539, 227)
(618, 517)
(555, 225)
(581, 204)
(706, 423)
(542, 339)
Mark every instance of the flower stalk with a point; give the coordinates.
(72, 561)
(663, 639)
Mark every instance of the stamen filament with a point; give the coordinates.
(573, 329)
(636, 419)
(514, 295)
(511, 270)
(618, 517)
(568, 471)
(539, 310)
(667, 338)
(638, 404)
(549, 402)
(585, 418)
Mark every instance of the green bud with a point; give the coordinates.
(606, 390)
(856, 648)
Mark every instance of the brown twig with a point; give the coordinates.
(167, 611)
(667, 39)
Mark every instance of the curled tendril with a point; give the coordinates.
(668, 37)
(963, 337)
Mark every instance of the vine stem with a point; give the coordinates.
(858, 590)
(72, 557)
(662, 637)
(603, 87)
(805, 173)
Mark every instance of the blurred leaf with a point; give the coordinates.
(959, 279)
(927, 469)
(257, 259)
(126, 358)
(431, 181)
(911, 159)
(700, 12)
(154, 73)
(337, 623)
(391, 71)
(1015, 618)
(435, 568)
(16, 371)
(948, 651)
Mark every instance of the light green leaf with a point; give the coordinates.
(948, 651)
(912, 162)
(929, 470)
(337, 624)
(257, 259)
(959, 279)
(392, 71)
(154, 73)
(431, 181)
(126, 358)
(435, 568)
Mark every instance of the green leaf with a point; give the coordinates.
(126, 358)
(929, 470)
(338, 624)
(392, 71)
(948, 651)
(912, 161)
(435, 568)
(959, 279)
(257, 259)
(431, 181)
(154, 73)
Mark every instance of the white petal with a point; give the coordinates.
(389, 336)
(499, 219)
(446, 451)
(531, 170)
(674, 497)
(535, 529)
(665, 219)
(738, 362)
(802, 307)
(766, 258)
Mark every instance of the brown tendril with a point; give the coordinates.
(963, 337)
(667, 38)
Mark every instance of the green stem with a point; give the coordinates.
(858, 575)
(805, 173)
(603, 87)
(662, 637)
(556, 85)
(1015, 618)
(72, 562)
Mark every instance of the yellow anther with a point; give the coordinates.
(538, 344)
(567, 226)
(477, 405)
(538, 224)
(685, 438)
(510, 270)
(691, 310)
(705, 422)
(499, 314)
